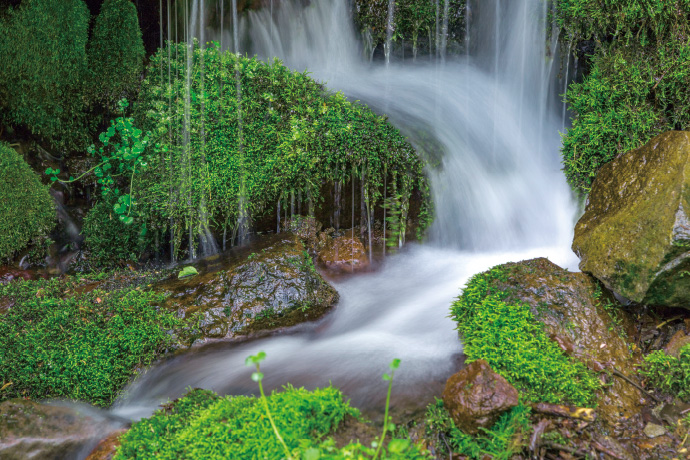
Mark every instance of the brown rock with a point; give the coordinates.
(30, 430)
(678, 341)
(476, 397)
(344, 253)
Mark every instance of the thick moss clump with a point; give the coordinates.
(250, 134)
(513, 342)
(115, 52)
(43, 55)
(27, 211)
(638, 84)
(202, 425)
(69, 338)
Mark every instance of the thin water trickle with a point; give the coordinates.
(488, 211)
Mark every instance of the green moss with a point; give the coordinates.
(199, 426)
(108, 240)
(43, 55)
(638, 83)
(514, 343)
(504, 440)
(115, 52)
(669, 374)
(27, 212)
(60, 340)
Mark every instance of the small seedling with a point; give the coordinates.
(387, 425)
(258, 377)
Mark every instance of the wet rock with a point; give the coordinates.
(306, 228)
(652, 430)
(678, 341)
(106, 448)
(344, 253)
(29, 430)
(635, 233)
(277, 286)
(477, 396)
(585, 320)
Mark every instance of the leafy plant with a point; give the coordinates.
(186, 272)
(514, 343)
(60, 340)
(27, 212)
(669, 374)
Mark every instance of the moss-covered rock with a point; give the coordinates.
(274, 287)
(635, 233)
(27, 211)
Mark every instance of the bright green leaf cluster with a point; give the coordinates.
(515, 345)
(61, 341)
(27, 211)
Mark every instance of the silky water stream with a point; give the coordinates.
(498, 191)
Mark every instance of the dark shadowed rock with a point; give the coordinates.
(30, 430)
(274, 287)
(635, 233)
(477, 396)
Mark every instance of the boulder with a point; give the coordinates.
(635, 233)
(107, 448)
(30, 430)
(585, 320)
(344, 253)
(477, 396)
(276, 286)
(306, 228)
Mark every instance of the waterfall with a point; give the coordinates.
(516, 205)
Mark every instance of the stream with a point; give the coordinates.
(496, 183)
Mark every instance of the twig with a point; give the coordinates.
(603, 449)
(571, 450)
(450, 451)
(577, 413)
(620, 375)
(659, 326)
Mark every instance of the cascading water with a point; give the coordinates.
(513, 206)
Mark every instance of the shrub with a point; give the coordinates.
(27, 212)
(108, 240)
(115, 52)
(639, 81)
(43, 55)
(504, 440)
(669, 374)
(61, 340)
(248, 145)
(514, 343)
(202, 425)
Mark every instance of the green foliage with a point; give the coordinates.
(108, 240)
(253, 132)
(27, 212)
(237, 426)
(115, 52)
(60, 340)
(639, 81)
(504, 440)
(186, 272)
(515, 345)
(413, 21)
(43, 72)
(669, 374)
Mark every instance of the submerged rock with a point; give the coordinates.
(635, 233)
(476, 397)
(587, 323)
(275, 287)
(30, 430)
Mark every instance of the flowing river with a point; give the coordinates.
(498, 190)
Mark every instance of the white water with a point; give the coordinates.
(499, 195)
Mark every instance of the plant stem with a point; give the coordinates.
(270, 419)
(385, 418)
